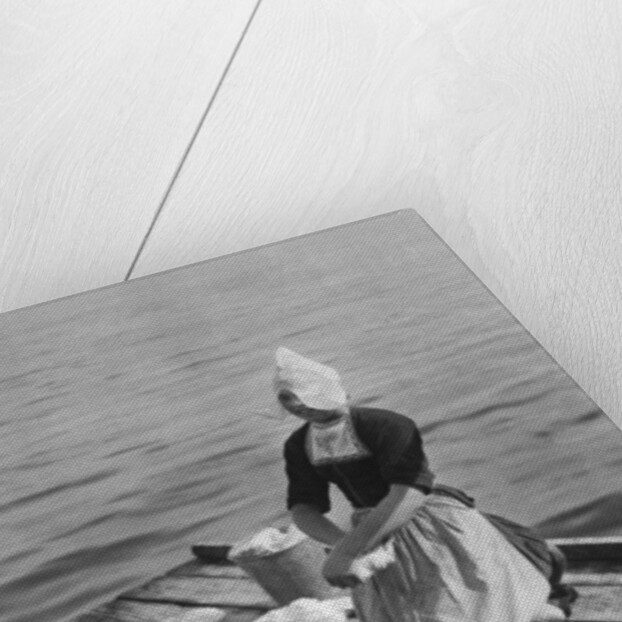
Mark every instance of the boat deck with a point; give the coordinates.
(211, 589)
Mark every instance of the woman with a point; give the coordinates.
(452, 563)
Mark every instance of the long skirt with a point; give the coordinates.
(452, 566)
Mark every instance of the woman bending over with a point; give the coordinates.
(453, 564)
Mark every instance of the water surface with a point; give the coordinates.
(127, 424)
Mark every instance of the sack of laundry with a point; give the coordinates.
(267, 542)
(366, 565)
(286, 563)
(312, 610)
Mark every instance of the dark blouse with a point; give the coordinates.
(396, 456)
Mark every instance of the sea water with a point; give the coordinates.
(130, 426)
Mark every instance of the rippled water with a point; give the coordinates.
(127, 425)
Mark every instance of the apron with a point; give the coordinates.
(452, 565)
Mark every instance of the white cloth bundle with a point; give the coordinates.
(267, 542)
(271, 540)
(311, 610)
(382, 556)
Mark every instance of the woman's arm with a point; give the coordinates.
(312, 522)
(392, 512)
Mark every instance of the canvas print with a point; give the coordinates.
(345, 425)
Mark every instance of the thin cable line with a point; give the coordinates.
(184, 157)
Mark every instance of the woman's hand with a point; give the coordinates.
(395, 510)
(338, 570)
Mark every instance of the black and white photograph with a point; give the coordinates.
(356, 392)
(310, 311)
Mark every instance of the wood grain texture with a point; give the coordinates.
(499, 122)
(598, 603)
(134, 611)
(597, 550)
(204, 591)
(195, 568)
(598, 583)
(98, 102)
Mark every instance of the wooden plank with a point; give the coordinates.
(471, 112)
(212, 553)
(599, 583)
(131, 611)
(575, 549)
(242, 615)
(205, 591)
(600, 604)
(595, 567)
(100, 100)
(121, 610)
(195, 568)
(583, 578)
(590, 548)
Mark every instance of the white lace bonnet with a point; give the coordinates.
(316, 385)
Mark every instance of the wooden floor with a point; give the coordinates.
(214, 590)
(140, 136)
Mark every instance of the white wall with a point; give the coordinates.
(98, 103)
(500, 122)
